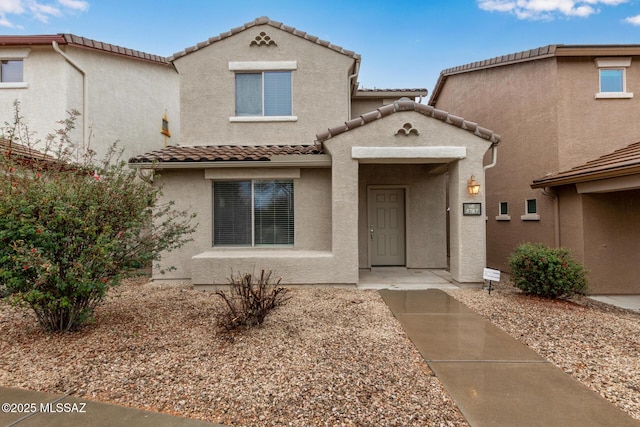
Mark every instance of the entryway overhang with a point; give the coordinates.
(415, 155)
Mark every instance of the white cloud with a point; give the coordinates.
(633, 20)
(546, 9)
(41, 10)
(79, 5)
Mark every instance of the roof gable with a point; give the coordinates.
(264, 20)
(408, 105)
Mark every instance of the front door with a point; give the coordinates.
(386, 226)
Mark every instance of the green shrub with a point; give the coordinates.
(250, 299)
(547, 272)
(69, 231)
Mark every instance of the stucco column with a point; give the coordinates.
(468, 234)
(344, 213)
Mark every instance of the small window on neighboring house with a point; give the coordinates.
(12, 68)
(253, 213)
(503, 212)
(531, 210)
(613, 77)
(165, 126)
(263, 94)
(11, 71)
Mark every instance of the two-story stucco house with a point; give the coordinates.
(290, 167)
(122, 94)
(568, 172)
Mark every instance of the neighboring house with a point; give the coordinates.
(290, 167)
(122, 94)
(568, 172)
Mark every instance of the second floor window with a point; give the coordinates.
(267, 93)
(611, 80)
(11, 71)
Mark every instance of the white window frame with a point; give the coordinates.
(15, 55)
(620, 64)
(528, 215)
(503, 216)
(261, 67)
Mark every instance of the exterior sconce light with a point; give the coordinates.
(473, 186)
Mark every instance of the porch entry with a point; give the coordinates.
(387, 227)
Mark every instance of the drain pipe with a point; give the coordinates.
(494, 157)
(356, 70)
(85, 94)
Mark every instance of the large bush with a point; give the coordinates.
(71, 230)
(549, 272)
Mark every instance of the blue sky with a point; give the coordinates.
(404, 44)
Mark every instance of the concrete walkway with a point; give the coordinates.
(35, 409)
(494, 379)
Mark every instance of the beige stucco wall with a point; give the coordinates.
(425, 200)
(127, 98)
(305, 262)
(320, 90)
(519, 102)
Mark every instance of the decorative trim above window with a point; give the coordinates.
(612, 78)
(262, 65)
(263, 39)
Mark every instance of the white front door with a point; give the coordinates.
(386, 226)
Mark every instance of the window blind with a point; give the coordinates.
(277, 93)
(232, 213)
(11, 71)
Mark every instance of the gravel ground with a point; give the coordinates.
(596, 343)
(329, 357)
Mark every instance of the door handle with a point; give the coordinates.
(371, 231)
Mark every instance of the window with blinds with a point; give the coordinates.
(11, 71)
(253, 213)
(263, 94)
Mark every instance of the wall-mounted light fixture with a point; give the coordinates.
(473, 186)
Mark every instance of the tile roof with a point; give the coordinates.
(23, 151)
(222, 153)
(73, 40)
(622, 162)
(408, 105)
(526, 55)
(264, 20)
(111, 48)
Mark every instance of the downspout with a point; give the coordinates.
(494, 157)
(85, 94)
(550, 192)
(356, 70)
